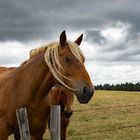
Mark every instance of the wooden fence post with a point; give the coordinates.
(55, 122)
(22, 119)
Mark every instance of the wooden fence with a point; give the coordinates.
(23, 124)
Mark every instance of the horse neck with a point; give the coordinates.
(36, 76)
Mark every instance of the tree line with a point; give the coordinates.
(122, 87)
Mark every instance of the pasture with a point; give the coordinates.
(110, 115)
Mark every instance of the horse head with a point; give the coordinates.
(68, 68)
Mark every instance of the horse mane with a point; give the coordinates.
(52, 58)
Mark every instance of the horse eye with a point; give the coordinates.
(66, 59)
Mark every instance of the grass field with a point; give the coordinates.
(110, 115)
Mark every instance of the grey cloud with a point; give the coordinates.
(33, 20)
(22, 21)
(94, 36)
(129, 55)
(28, 20)
(8, 60)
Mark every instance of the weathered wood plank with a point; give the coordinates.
(23, 124)
(55, 122)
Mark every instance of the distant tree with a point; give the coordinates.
(123, 87)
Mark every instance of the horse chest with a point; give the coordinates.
(38, 123)
(38, 115)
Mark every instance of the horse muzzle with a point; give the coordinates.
(68, 114)
(84, 94)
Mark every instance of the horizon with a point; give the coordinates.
(118, 83)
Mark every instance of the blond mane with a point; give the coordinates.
(52, 59)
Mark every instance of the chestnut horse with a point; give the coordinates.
(59, 96)
(5, 70)
(63, 97)
(28, 85)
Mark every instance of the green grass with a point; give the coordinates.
(110, 115)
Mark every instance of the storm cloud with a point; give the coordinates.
(111, 30)
(26, 20)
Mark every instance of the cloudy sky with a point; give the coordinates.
(111, 33)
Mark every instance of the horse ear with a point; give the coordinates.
(63, 38)
(79, 39)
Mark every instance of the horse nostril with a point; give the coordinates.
(87, 91)
(68, 114)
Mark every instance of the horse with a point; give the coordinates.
(29, 84)
(59, 96)
(4, 70)
(63, 97)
